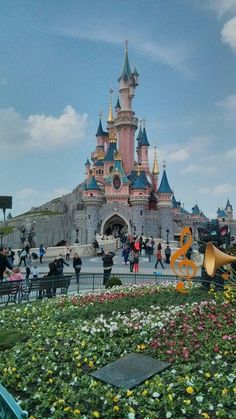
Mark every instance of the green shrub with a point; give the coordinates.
(113, 282)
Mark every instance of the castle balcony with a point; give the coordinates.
(126, 117)
(138, 200)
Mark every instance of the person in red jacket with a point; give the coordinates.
(159, 259)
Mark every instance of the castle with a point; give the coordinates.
(120, 193)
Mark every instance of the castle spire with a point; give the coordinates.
(110, 114)
(126, 72)
(155, 170)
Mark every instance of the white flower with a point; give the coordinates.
(52, 410)
(168, 415)
(131, 415)
(155, 395)
(199, 399)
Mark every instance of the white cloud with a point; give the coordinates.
(178, 155)
(222, 189)
(228, 33)
(221, 7)
(18, 134)
(193, 168)
(174, 55)
(228, 104)
(231, 154)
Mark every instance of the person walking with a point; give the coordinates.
(4, 263)
(77, 264)
(131, 261)
(107, 266)
(136, 261)
(23, 255)
(159, 259)
(125, 254)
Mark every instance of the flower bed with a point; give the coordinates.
(49, 373)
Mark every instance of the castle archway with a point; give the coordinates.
(116, 225)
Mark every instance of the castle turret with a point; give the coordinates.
(164, 206)
(229, 210)
(92, 200)
(126, 122)
(144, 151)
(155, 172)
(139, 202)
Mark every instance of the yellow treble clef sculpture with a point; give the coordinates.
(186, 268)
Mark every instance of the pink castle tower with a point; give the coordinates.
(126, 123)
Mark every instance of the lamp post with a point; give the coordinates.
(1, 236)
(77, 235)
(160, 232)
(167, 236)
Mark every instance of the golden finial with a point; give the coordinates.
(155, 170)
(139, 169)
(110, 114)
(117, 155)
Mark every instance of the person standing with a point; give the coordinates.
(41, 253)
(159, 259)
(28, 261)
(4, 263)
(59, 263)
(125, 254)
(68, 250)
(136, 261)
(107, 266)
(131, 261)
(167, 254)
(77, 264)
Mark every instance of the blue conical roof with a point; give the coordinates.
(126, 67)
(139, 183)
(140, 136)
(221, 213)
(228, 205)
(100, 131)
(144, 139)
(117, 104)
(176, 204)
(110, 152)
(93, 183)
(87, 163)
(164, 185)
(195, 210)
(135, 72)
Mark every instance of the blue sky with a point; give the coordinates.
(58, 60)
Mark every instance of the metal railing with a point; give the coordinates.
(9, 408)
(33, 289)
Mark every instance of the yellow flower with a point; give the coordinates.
(96, 414)
(144, 392)
(50, 381)
(76, 412)
(116, 408)
(85, 359)
(142, 346)
(207, 375)
(66, 409)
(61, 401)
(224, 391)
(189, 390)
(131, 409)
(170, 397)
(78, 364)
(50, 372)
(129, 393)
(115, 399)
(32, 417)
(13, 369)
(234, 389)
(187, 401)
(205, 415)
(91, 364)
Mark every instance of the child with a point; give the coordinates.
(16, 274)
(35, 272)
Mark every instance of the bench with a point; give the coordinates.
(46, 286)
(9, 290)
